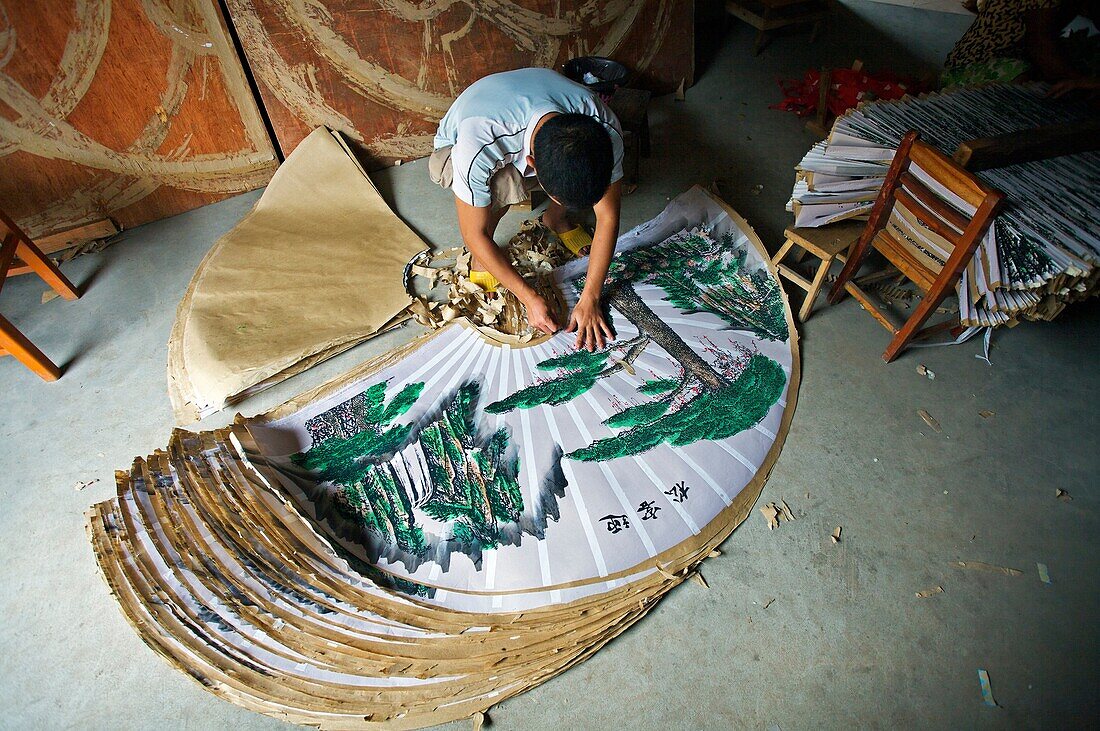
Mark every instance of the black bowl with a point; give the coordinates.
(610, 75)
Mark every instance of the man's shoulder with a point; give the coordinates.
(532, 82)
(526, 75)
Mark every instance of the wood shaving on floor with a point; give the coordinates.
(930, 420)
(774, 513)
(982, 566)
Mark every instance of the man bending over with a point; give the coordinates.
(514, 132)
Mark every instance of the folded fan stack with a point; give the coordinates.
(448, 525)
(226, 581)
(1043, 249)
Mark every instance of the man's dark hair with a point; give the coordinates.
(573, 159)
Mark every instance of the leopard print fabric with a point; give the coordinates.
(997, 32)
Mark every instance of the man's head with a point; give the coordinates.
(573, 159)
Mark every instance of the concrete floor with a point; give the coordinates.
(844, 643)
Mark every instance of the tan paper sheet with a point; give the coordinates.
(316, 267)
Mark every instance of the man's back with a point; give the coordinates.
(489, 125)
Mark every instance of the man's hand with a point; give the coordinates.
(1068, 86)
(587, 317)
(587, 321)
(539, 316)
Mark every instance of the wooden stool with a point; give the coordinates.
(826, 243)
(769, 15)
(12, 342)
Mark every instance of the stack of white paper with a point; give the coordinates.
(1043, 249)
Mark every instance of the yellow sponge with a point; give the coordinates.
(485, 280)
(576, 240)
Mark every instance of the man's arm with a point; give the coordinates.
(587, 317)
(473, 222)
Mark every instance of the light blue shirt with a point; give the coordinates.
(491, 123)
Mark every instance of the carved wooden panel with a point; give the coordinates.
(128, 109)
(385, 71)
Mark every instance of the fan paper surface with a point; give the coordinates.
(458, 521)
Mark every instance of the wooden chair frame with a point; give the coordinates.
(827, 243)
(964, 232)
(12, 342)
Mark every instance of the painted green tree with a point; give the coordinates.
(349, 442)
(366, 429)
(699, 274)
(472, 482)
(701, 403)
(395, 479)
(707, 414)
(579, 371)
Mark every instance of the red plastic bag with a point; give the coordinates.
(847, 88)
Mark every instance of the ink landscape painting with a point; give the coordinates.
(467, 466)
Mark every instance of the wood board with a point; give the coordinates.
(122, 109)
(384, 73)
